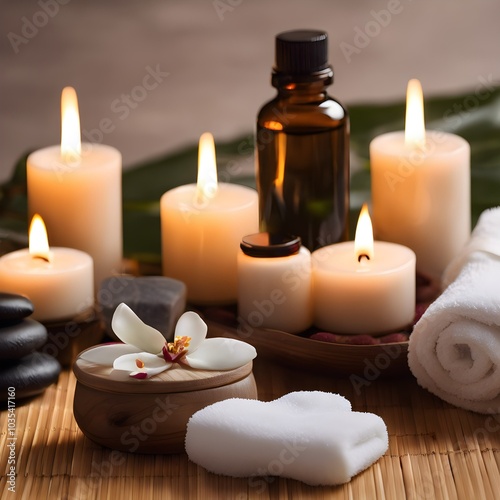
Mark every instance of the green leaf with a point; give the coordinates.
(474, 115)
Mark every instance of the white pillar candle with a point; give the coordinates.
(421, 191)
(202, 225)
(58, 281)
(363, 288)
(78, 194)
(274, 283)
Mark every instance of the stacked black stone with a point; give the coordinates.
(29, 372)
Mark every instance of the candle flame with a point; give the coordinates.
(363, 240)
(206, 185)
(38, 240)
(415, 124)
(71, 147)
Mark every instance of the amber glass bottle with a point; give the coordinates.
(302, 146)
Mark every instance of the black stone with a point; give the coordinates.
(14, 307)
(157, 300)
(21, 338)
(29, 376)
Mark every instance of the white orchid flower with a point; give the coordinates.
(146, 353)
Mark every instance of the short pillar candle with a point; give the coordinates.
(363, 287)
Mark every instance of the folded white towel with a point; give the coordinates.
(454, 350)
(310, 436)
(485, 238)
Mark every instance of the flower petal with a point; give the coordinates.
(191, 325)
(106, 354)
(152, 364)
(220, 354)
(129, 328)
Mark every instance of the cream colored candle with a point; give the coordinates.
(77, 191)
(421, 191)
(58, 281)
(274, 284)
(363, 288)
(202, 225)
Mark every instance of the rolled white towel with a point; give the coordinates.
(485, 238)
(454, 350)
(310, 436)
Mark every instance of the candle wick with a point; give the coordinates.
(363, 255)
(42, 257)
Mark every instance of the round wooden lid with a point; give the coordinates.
(178, 378)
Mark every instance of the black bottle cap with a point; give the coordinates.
(301, 51)
(302, 56)
(270, 245)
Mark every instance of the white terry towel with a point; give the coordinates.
(311, 436)
(454, 350)
(485, 238)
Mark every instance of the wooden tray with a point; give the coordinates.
(366, 361)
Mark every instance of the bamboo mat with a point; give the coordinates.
(435, 450)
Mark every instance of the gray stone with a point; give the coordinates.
(157, 300)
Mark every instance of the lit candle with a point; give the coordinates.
(362, 286)
(202, 225)
(76, 188)
(421, 189)
(59, 281)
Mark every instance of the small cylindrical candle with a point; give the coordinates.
(274, 283)
(58, 281)
(363, 288)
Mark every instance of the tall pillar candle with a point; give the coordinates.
(77, 191)
(202, 225)
(421, 191)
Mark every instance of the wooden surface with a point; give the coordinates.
(436, 450)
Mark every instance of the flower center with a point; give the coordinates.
(179, 344)
(139, 363)
(174, 351)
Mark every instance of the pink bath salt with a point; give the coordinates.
(393, 338)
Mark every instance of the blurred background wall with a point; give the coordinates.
(210, 63)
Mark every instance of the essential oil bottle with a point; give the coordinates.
(302, 146)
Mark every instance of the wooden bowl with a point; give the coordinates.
(150, 415)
